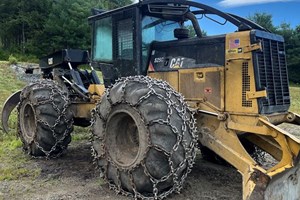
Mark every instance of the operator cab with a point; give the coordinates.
(155, 35)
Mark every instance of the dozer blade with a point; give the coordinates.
(286, 185)
(9, 105)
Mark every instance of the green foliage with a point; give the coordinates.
(294, 73)
(39, 27)
(192, 32)
(21, 23)
(4, 55)
(27, 58)
(285, 30)
(263, 19)
(12, 60)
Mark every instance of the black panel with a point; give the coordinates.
(109, 73)
(189, 53)
(271, 72)
(61, 58)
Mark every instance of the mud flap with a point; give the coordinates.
(285, 185)
(8, 107)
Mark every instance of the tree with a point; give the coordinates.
(286, 31)
(263, 19)
(192, 32)
(40, 27)
(20, 23)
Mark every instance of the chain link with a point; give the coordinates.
(178, 105)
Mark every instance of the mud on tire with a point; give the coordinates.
(44, 120)
(143, 138)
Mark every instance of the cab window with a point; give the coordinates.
(156, 29)
(103, 40)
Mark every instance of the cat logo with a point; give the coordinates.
(176, 63)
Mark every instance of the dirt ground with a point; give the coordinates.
(73, 176)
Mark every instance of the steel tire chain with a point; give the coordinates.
(45, 83)
(189, 148)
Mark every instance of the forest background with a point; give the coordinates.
(32, 29)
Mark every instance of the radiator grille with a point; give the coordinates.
(246, 85)
(272, 71)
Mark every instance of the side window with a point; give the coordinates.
(103, 40)
(125, 39)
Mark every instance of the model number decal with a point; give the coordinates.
(176, 63)
(159, 60)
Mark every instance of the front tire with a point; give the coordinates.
(45, 120)
(143, 138)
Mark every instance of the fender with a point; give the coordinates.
(8, 107)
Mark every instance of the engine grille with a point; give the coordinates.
(272, 75)
(245, 85)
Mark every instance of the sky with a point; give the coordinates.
(281, 10)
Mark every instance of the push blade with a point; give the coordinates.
(8, 107)
(285, 186)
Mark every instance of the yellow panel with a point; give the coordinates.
(203, 84)
(239, 81)
(170, 77)
(97, 89)
(82, 110)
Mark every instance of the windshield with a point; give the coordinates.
(155, 29)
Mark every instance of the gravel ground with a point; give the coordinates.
(20, 70)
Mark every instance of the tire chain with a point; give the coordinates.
(190, 148)
(45, 83)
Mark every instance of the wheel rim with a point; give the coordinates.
(28, 124)
(123, 142)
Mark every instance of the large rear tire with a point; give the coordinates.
(45, 120)
(143, 138)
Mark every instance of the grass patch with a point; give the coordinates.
(80, 133)
(295, 97)
(8, 82)
(14, 163)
